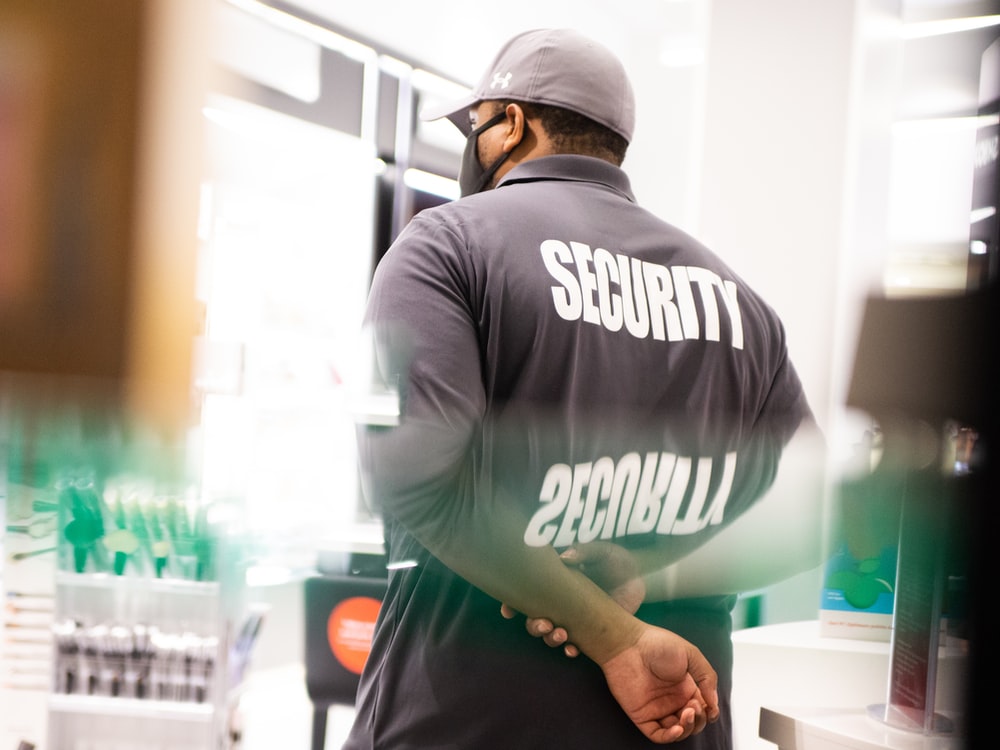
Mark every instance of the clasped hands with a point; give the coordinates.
(662, 681)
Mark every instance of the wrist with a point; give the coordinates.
(609, 633)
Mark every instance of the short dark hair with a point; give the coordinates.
(573, 133)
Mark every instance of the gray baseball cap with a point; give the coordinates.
(560, 67)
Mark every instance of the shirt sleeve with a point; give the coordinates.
(420, 319)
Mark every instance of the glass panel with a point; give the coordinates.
(287, 224)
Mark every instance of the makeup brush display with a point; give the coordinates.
(149, 585)
(133, 661)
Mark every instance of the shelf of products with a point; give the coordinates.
(150, 624)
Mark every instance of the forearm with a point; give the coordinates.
(414, 472)
(534, 581)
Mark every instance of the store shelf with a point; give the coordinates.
(171, 636)
(131, 707)
(209, 589)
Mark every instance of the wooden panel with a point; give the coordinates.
(88, 194)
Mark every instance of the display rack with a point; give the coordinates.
(137, 663)
(144, 657)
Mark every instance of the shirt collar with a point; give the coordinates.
(573, 167)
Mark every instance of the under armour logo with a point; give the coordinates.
(501, 81)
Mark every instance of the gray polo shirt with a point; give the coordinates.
(562, 349)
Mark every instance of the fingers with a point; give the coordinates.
(712, 711)
(544, 629)
(707, 680)
(554, 637)
(587, 552)
(676, 727)
(572, 556)
(695, 716)
(666, 735)
(667, 730)
(539, 627)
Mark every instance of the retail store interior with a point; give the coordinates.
(232, 171)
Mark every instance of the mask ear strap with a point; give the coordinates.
(498, 117)
(488, 174)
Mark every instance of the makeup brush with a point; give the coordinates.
(67, 633)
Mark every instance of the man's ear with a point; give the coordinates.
(516, 127)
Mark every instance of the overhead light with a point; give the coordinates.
(395, 67)
(436, 86)
(324, 37)
(980, 214)
(978, 247)
(401, 565)
(427, 182)
(923, 29)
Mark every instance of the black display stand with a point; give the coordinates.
(924, 367)
(925, 531)
(332, 675)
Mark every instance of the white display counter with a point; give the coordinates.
(842, 729)
(809, 685)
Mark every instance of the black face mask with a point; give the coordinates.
(472, 178)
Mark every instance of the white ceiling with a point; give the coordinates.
(458, 38)
(939, 78)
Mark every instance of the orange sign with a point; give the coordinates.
(350, 629)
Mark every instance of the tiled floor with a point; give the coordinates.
(276, 713)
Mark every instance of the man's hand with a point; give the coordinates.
(611, 567)
(662, 682)
(665, 685)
